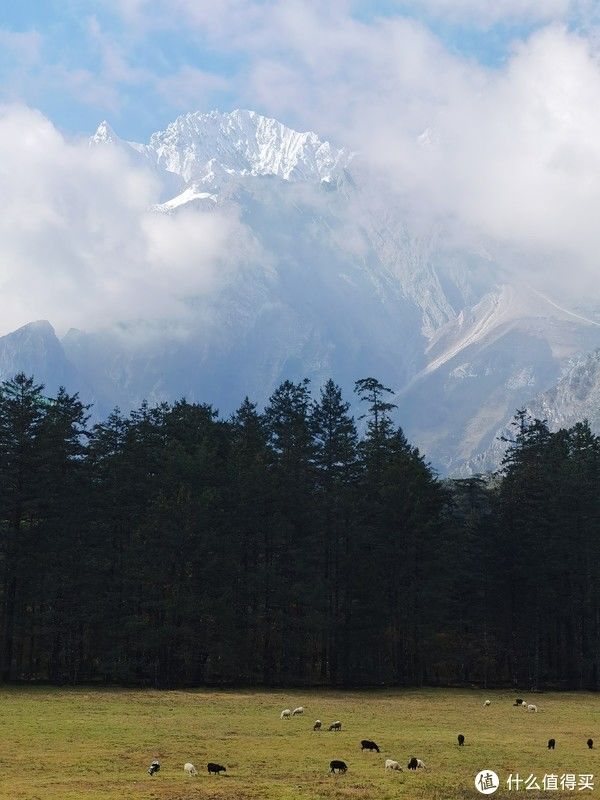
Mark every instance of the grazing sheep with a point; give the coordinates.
(154, 767)
(518, 702)
(487, 703)
(190, 769)
(335, 726)
(317, 725)
(532, 707)
(367, 744)
(299, 710)
(214, 769)
(590, 744)
(461, 739)
(416, 763)
(391, 764)
(551, 744)
(339, 765)
(285, 714)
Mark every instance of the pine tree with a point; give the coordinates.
(379, 423)
(250, 520)
(66, 561)
(22, 407)
(294, 546)
(336, 443)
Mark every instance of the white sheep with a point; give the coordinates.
(420, 764)
(487, 703)
(190, 769)
(285, 714)
(299, 710)
(391, 764)
(532, 707)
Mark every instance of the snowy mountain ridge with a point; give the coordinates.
(207, 147)
(339, 282)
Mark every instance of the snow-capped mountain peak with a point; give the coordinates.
(208, 147)
(341, 283)
(104, 134)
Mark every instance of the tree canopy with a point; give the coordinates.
(170, 547)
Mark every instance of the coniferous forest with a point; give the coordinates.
(171, 547)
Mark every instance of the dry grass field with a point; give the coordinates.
(74, 744)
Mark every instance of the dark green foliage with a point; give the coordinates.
(170, 547)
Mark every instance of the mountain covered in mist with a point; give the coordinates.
(333, 276)
(573, 398)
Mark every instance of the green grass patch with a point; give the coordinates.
(69, 744)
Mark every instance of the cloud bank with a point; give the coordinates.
(508, 152)
(79, 244)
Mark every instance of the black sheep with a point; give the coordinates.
(590, 744)
(154, 767)
(518, 702)
(461, 739)
(367, 744)
(339, 765)
(214, 769)
(413, 763)
(551, 744)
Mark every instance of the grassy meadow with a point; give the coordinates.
(69, 744)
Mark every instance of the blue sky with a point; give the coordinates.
(139, 64)
(481, 114)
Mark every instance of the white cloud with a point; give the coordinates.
(489, 12)
(511, 153)
(78, 245)
(188, 87)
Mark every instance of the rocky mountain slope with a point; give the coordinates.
(575, 396)
(334, 279)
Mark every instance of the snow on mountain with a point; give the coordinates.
(482, 366)
(341, 284)
(574, 396)
(206, 148)
(170, 183)
(188, 195)
(104, 135)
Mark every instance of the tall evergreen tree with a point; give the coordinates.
(173, 548)
(65, 558)
(335, 457)
(293, 562)
(21, 414)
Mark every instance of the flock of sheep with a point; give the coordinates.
(366, 744)
(414, 763)
(188, 768)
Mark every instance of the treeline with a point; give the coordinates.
(170, 547)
